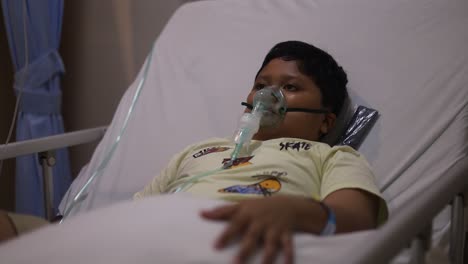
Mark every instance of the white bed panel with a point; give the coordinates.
(407, 59)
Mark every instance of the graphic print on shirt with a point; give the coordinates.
(294, 145)
(270, 183)
(239, 162)
(207, 151)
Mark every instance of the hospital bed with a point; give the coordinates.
(407, 59)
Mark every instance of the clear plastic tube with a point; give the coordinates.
(82, 193)
(269, 108)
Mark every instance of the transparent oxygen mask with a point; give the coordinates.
(270, 104)
(268, 110)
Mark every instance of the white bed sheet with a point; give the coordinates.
(407, 59)
(152, 231)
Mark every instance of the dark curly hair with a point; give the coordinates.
(320, 66)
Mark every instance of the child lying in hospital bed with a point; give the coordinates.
(409, 64)
(308, 186)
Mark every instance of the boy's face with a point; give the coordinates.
(299, 91)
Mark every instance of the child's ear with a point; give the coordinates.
(328, 123)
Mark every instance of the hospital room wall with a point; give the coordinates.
(104, 43)
(7, 101)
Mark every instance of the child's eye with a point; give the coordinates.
(289, 88)
(259, 86)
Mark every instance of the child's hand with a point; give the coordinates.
(270, 221)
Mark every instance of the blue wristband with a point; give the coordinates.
(330, 227)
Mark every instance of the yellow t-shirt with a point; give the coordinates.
(287, 166)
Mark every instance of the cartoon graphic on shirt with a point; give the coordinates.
(271, 183)
(239, 162)
(265, 187)
(207, 151)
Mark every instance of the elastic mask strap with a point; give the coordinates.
(313, 111)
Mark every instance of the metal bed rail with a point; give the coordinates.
(38, 145)
(414, 220)
(45, 148)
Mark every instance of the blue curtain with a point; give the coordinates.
(33, 29)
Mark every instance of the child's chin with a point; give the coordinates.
(267, 134)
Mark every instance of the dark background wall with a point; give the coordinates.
(104, 43)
